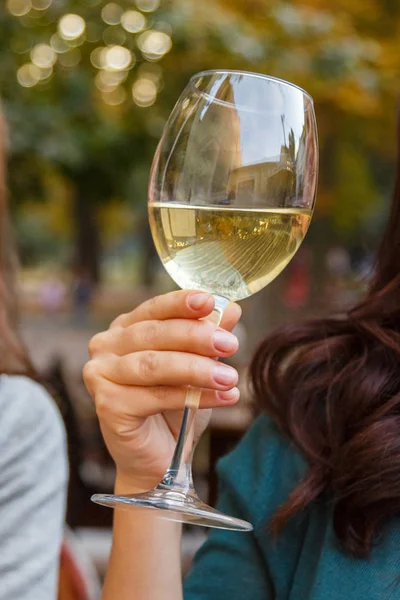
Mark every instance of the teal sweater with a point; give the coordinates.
(305, 561)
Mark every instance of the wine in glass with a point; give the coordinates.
(231, 195)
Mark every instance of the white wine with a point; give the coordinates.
(228, 251)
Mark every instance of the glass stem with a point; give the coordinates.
(179, 474)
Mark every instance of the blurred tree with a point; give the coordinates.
(92, 113)
(345, 54)
(67, 109)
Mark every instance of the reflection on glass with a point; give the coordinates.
(242, 148)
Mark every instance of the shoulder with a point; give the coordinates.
(28, 414)
(262, 470)
(25, 403)
(27, 399)
(33, 484)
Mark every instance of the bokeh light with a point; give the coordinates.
(41, 4)
(154, 44)
(78, 41)
(107, 81)
(43, 56)
(101, 83)
(58, 44)
(112, 13)
(19, 8)
(113, 59)
(71, 26)
(144, 92)
(71, 58)
(97, 57)
(133, 21)
(117, 58)
(46, 73)
(114, 97)
(114, 36)
(28, 75)
(152, 71)
(148, 5)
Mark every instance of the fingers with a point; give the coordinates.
(153, 368)
(185, 331)
(183, 304)
(137, 402)
(231, 316)
(145, 362)
(183, 335)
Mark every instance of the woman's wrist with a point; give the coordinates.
(146, 552)
(149, 520)
(126, 483)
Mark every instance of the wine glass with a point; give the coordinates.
(231, 195)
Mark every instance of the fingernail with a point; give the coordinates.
(225, 375)
(238, 310)
(229, 396)
(197, 301)
(225, 341)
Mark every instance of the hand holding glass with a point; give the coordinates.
(231, 195)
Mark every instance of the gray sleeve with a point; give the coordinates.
(33, 479)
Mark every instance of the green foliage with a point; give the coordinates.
(346, 54)
(354, 187)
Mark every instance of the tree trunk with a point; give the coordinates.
(87, 236)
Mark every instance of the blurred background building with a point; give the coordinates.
(86, 87)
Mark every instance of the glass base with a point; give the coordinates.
(175, 506)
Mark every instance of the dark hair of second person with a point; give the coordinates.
(333, 386)
(13, 358)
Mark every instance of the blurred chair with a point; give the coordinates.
(80, 511)
(78, 579)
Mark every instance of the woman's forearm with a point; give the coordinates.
(138, 376)
(145, 562)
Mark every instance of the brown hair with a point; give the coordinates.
(333, 387)
(13, 358)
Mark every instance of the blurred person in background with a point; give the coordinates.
(82, 294)
(52, 296)
(318, 474)
(33, 463)
(297, 290)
